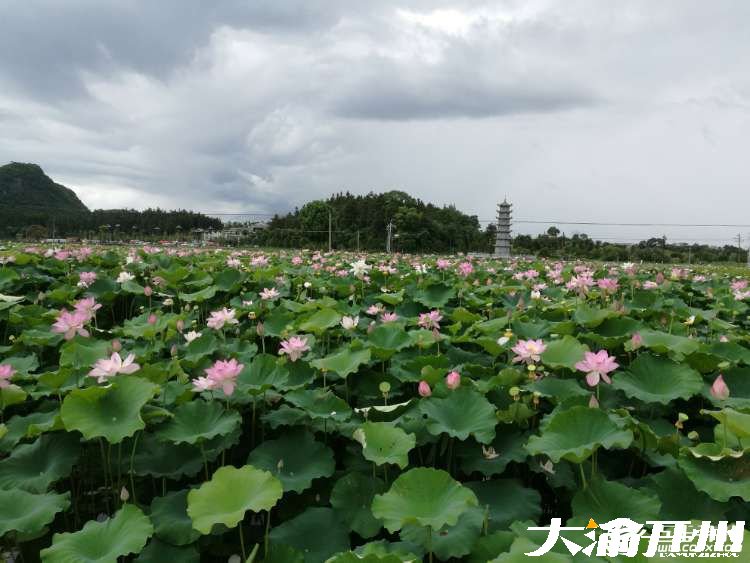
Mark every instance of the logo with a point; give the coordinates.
(665, 539)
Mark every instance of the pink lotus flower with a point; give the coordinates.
(738, 285)
(116, 345)
(719, 389)
(201, 384)
(294, 347)
(6, 372)
(424, 389)
(297, 260)
(608, 285)
(528, 351)
(224, 374)
(147, 291)
(87, 306)
(430, 320)
(259, 261)
(650, 284)
(442, 264)
(85, 279)
(106, 368)
(636, 341)
(453, 380)
(374, 309)
(152, 319)
(69, 324)
(388, 317)
(269, 294)
(465, 269)
(233, 262)
(597, 365)
(220, 318)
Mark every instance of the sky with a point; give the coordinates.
(575, 110)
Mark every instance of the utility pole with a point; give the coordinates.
(330, 245)
(739, 246)
(389, 230)
(357, 241)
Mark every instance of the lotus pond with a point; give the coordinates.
(206, 405)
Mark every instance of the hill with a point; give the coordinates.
(26, 186)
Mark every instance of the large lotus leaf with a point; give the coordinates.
(198, 421)
(606, 500)
(34, 467)
(320, 403)
(680, 500)
(343, 363)
(296, 459)
(521, 546)
(162, 459)
(12, 395)
(574, 434)
(557, 389)
(730, 351)
(317, 532)
(738, 423)
(23, 365)
(102, 542)
(662, 342)
(383, 442)
(158, 551)
(112, 412)
(463, 413)
(29, 513)
(229, 494)
(449, 541)
(82, 353)
(425, 497)
(352, 557)
(506, 501)
(566, 352)
(263, 373)
(202, 347)
(320, 321)
(490, 546)
(390, 337)
(199, 296)
(654, 379)
(30, 425)
(171, 521)
(588, 316)
(405, 551)
(493, 459)
(721, 480)
(435, 296)
(352, 496)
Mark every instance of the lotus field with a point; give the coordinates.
(183, 405)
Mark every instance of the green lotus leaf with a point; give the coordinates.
(198, 421)
(199, 296)
(171, 521)
(713, 451)
(81, 353)
(112, 412)
(351, 557)
(279, 553)
(591, 317)
(320, 403)
(228, 279)
(383, 442)
(229, 494)
(493, 459)
(721, 480)
(163, 459)
(521, 546)
(662, 342)
(318, 322)
(33, 424)
(490, 546)
(343, 363)
(296, 459)
(29, 513)
(557, 389)
(680, 499)
(606, 500)
(450, 541)
(566, 352)
(404, 551)
(34, 467)
(738, 423)
(463, 413)
(352, 496)
(654, 379)
(435, 296)
(390, 337)
(264, 372)
(12, 395)
(424, 497)
(317, 532)
(202, 347)
(506, 501)
(23, 365)
(102, 542)
(574, 434)
(158, 551)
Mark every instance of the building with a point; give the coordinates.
(502, 238)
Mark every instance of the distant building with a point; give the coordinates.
(502, 238)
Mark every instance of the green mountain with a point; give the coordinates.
(26, 186)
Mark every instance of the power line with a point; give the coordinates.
(604, 224)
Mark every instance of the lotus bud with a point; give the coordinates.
(147, 291)
(719, 389)
(424, 389)
(593, 402)
(173, 350)
(453, 380)
(260, 329)
(180, 325)
(152, 319)
(124, 495)
(116, 345)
